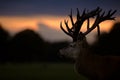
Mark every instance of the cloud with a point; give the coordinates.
(52, 35)
(46, 25)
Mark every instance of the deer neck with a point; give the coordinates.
(83, 47)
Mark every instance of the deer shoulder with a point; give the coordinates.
(93, 66)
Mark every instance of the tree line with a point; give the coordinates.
(28, 46)
(108, 43)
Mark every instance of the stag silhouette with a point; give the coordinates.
(87, 63)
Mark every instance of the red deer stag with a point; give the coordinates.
(93, 66)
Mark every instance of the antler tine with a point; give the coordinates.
(65, 30)
(98, 30)
(108, 16)
(88, 23)
(75, 32)
(84, 12)
(102, 14)
(68, 29)
(83, 17)
(71, 18)
(78, 14)
(90, 14)
(80, 20)
(101, 18)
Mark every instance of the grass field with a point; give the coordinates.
(39, 71)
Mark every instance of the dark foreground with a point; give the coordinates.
(38, 71)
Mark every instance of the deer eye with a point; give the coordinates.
(72, 45)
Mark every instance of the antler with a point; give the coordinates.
(75, 32)
(99, 19)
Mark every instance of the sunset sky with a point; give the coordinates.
(44, 16)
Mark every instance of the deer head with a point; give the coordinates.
(79, 38)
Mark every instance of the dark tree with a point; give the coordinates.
(26, 46)
(4, 37)
(109, 43)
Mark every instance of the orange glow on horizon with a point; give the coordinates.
(17, 23)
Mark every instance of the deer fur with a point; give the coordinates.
(87, 62)
(93, 66)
